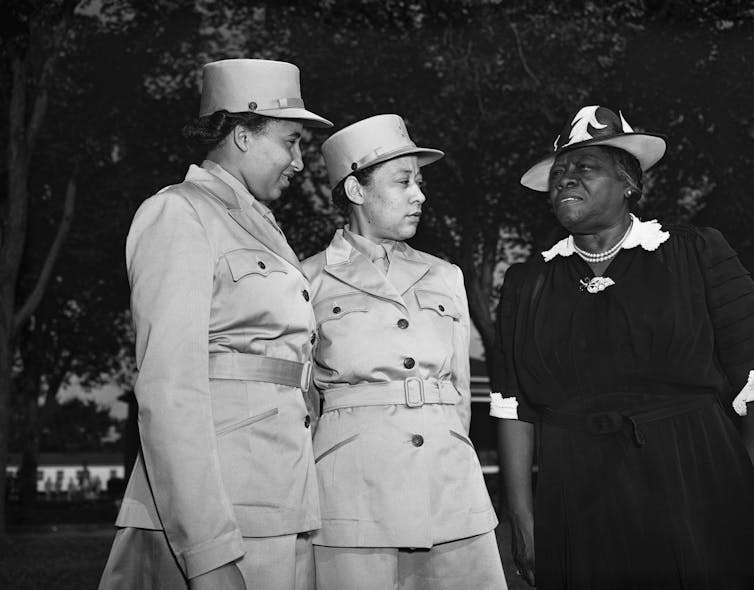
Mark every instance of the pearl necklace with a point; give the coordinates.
(594, 257)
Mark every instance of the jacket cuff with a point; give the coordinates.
(212, 554)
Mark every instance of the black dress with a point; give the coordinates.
(662, 496)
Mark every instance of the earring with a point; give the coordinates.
(629, 193)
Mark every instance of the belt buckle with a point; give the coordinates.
(599, 423)
(413, 389)
(306, 376)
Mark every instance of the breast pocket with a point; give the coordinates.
(439, 303)
(247, 262)
(340, 307)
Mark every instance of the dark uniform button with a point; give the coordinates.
(307, 421)
(417, 440)
(305, 293)
(261, 265)
(441, 307)
(409, 363)
(313, 339)
(336, 309)
(403, 323)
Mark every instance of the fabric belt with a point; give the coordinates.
(613, 421)
(412, 392)
(255, 367)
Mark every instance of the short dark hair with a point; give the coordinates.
(339, 197)
(629, 169)
(210, 130)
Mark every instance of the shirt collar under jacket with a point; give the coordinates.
(367, 247)
(647, 234)
(233, 182)
(239, 188)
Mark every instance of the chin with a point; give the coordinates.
(407, 234)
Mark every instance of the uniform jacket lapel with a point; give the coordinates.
(347, 264)
(405, 269)
(249, 218)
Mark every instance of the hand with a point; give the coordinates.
(522, 546)
(745, 395)
(225, 577)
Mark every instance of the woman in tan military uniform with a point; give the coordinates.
(223, 492)
(403, 499)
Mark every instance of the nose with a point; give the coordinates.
(418, 197)
(297, 163)
(567, 180)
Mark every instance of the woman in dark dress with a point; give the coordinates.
(626, 343)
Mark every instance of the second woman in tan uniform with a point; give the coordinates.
(403, 499)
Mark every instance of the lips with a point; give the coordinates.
(568, 198)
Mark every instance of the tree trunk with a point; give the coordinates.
(5, 386)
(23, 126)
(28, 391)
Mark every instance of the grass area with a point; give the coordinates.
(71, 557)
(63, 558)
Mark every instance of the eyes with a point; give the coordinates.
(558, 171)
(408, 181)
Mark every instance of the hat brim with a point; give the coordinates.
(647, 148)
(308, 118)
(425, 156)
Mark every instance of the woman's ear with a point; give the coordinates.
(241, 137)
(354, 191)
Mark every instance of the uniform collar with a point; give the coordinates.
(349, 264)
(248, 212)
(646, 234)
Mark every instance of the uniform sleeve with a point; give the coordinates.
(170, 268)
(460, 364)
(730, 299)
(504, 377)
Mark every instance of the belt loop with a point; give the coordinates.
(413, 388)
(306, 376)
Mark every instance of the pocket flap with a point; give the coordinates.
(438, 302)
(334, 308)
(246, 261)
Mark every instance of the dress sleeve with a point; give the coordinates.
(460, 364)
(504, 379)
(730, 300)
(171, 268)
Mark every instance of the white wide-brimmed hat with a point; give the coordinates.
(265, 87)
(596, 125)
(369, 142)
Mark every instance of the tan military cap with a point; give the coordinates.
(266, 87)
(369, 142)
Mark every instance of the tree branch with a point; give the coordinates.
(521, 56)
(39, 108)
(35, 296)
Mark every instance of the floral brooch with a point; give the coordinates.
(596, 284)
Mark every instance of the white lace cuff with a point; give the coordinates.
(503, 407)
(745, 395)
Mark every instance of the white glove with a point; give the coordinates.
(746, 395)
(503, 407)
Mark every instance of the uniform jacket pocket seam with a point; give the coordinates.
(461, 437)
(336, 446)
(246, 422)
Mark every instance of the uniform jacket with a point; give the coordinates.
(221, 459)
(394, 475)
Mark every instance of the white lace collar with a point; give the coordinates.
(647, 234)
